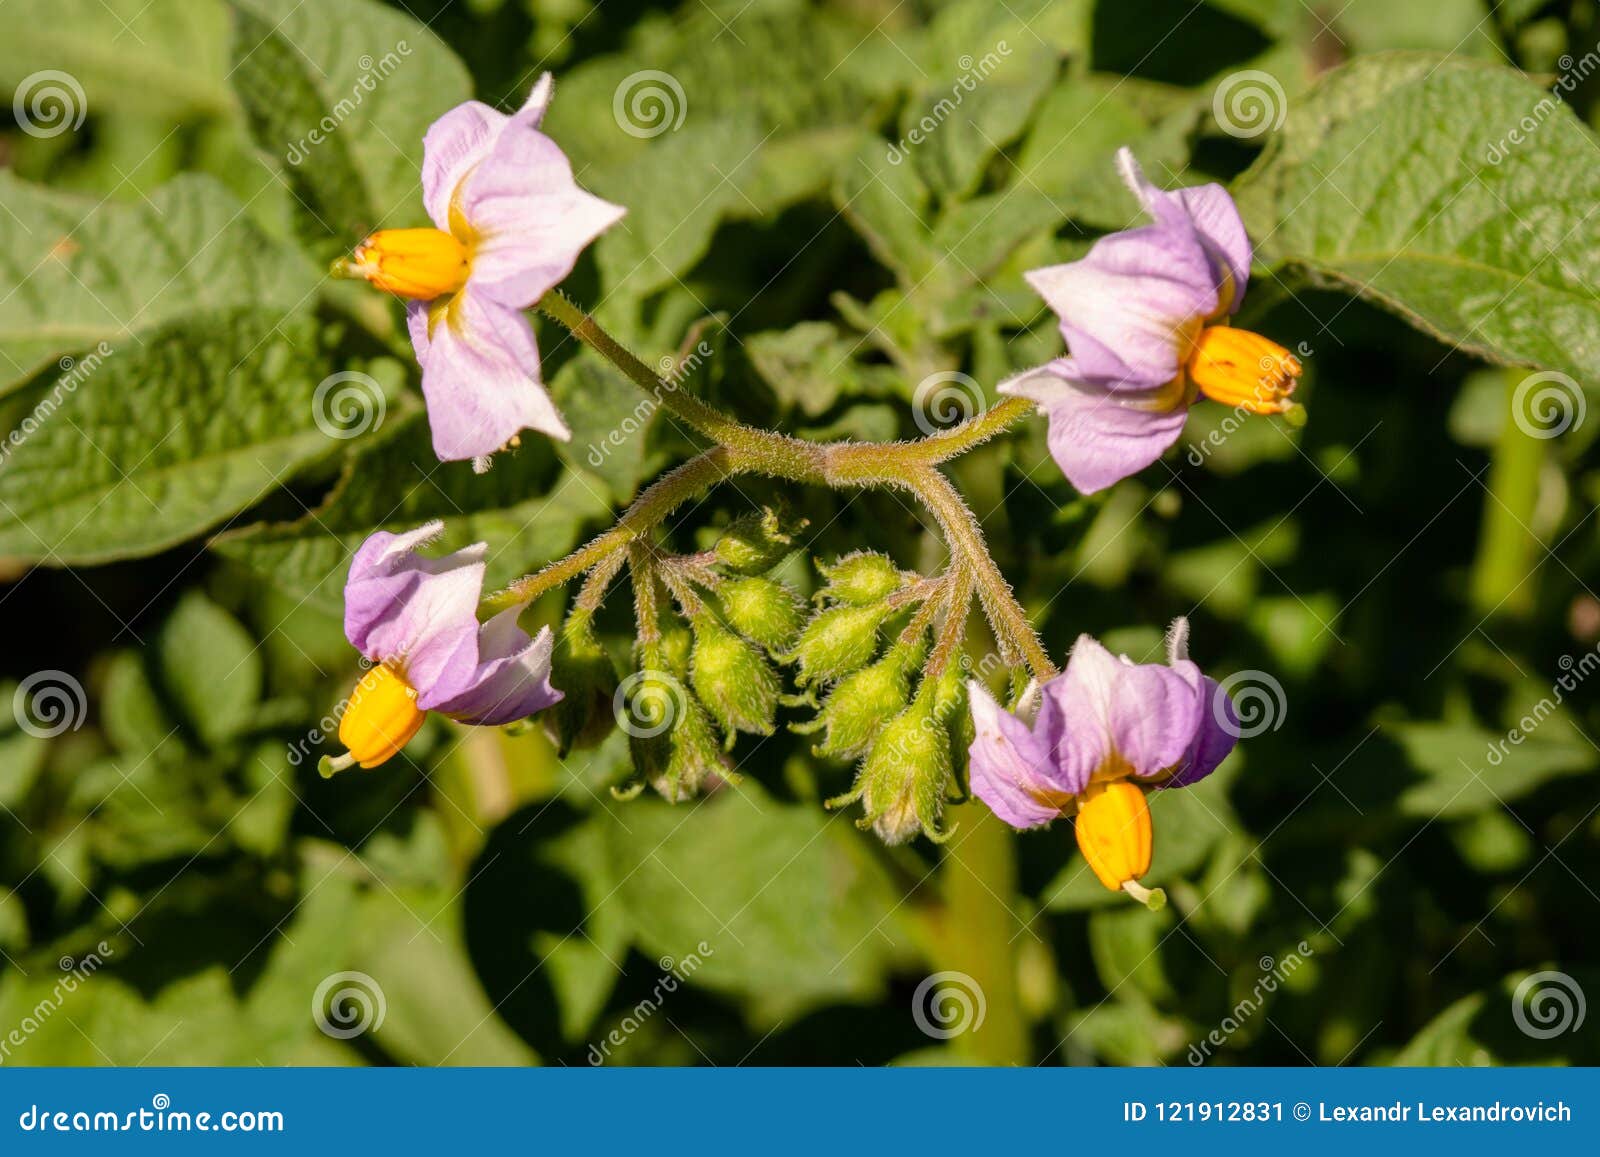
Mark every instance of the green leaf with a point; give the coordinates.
(1276, 17)
(971, 28)
(794, 69)
(807, 917)
(1125, 941)
(1070, 152)
(676, 192)
(523, 507)
(611, 421)
(87, 271)
(412, 944)
(162, 57)
(341, 93)
(22, 758)
(812, 364)
(211, 667)
(1469, 768)
(954, 131)
(795, 167)
(165, 440)
(131, 711)
(1492, 1027)
(1396, 179)
(888, 204)
(1457, 27)
(262, 823)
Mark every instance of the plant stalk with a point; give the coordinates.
(1508, 551)
(744, 449)
(978, 936)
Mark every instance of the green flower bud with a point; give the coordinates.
(860, 578)
(859, 703)
(671, 653)
(950, 705)
(837, 641)
(755, 543)
(901, 783)
(587, 679)
(673, 743)
(732, 679)
(761, 609)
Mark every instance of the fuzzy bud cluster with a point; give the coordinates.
(861, 656)
(707, 677)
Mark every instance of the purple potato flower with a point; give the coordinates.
(510, 222)
(415, 618)
(1145, 315)
(1088, 740)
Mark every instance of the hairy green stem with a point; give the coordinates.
(660, 499)
(953, 606)
(759, 451)
(593, 592)
(961, 530)
(744, 449)
(846, 458)
(646, 605)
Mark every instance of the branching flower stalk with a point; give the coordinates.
(741, 449)
(1088, 743)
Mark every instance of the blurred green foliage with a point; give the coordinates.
(1411, 567)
